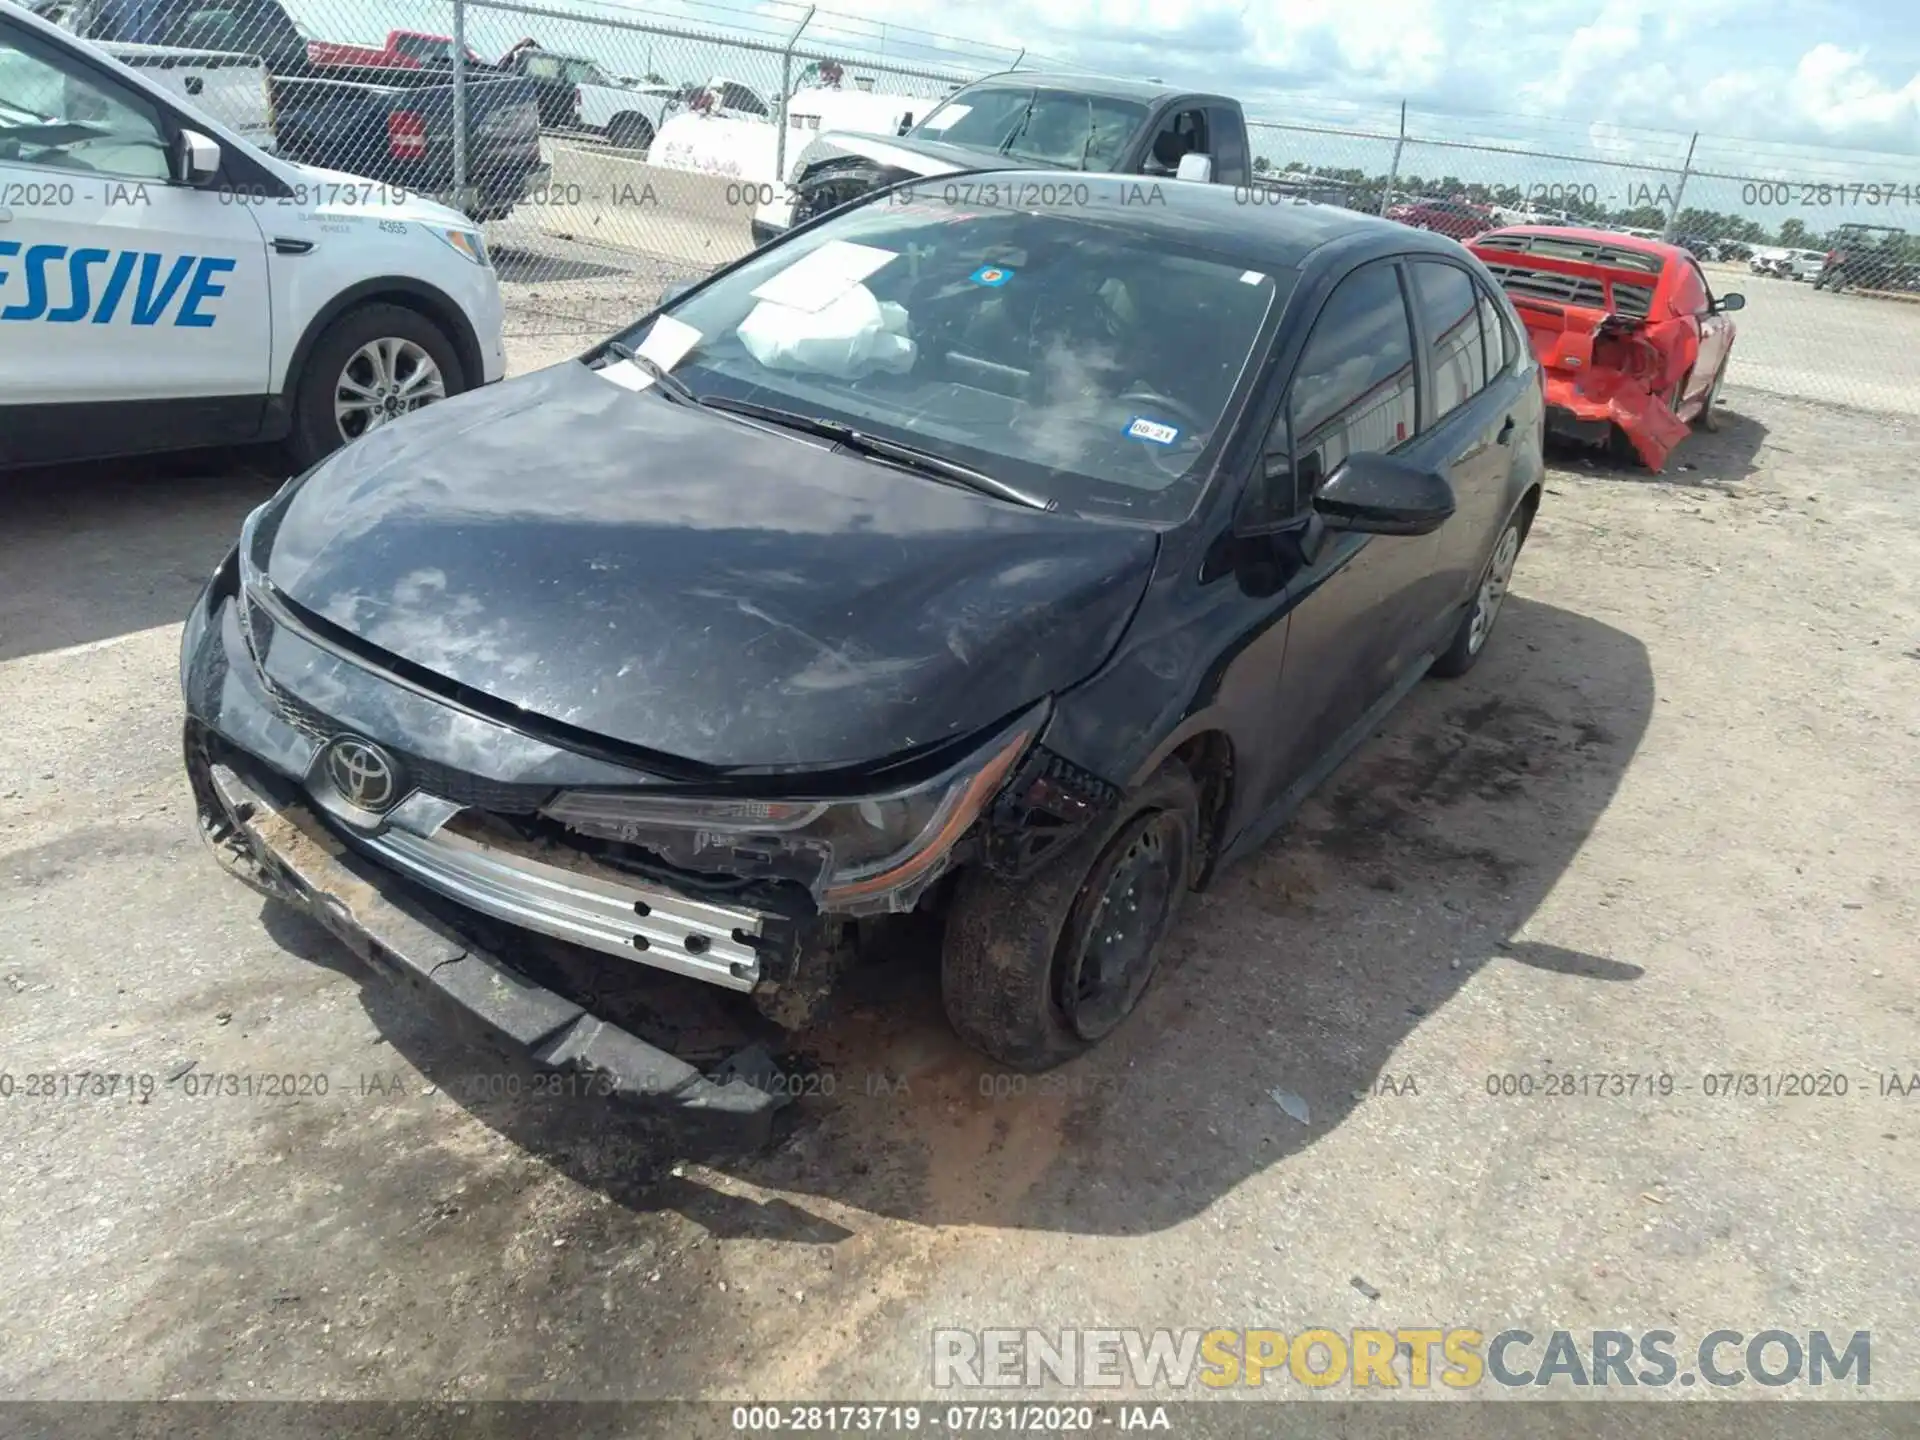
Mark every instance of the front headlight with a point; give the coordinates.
(856, 856)
(470, 243)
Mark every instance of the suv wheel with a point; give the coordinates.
(370, 367)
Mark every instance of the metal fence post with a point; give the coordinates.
(1680, 190)
(460, 105)
(1393, 170)
(786, 94)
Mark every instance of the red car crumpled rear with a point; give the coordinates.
(1629, 339)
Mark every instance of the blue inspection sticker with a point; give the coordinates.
(1152, 431)
(991, 275)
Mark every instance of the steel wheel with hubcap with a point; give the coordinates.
(1477, 624)
(383, 380)
(1034, 971)
(1110, 962)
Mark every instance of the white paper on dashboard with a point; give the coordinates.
(816, 280)
(667, 344)
(948, 117)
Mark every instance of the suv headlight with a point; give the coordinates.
(470, 243)
(856, 856)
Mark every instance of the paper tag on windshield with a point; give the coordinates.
(816, 280)
(948, 117)
(667, 344)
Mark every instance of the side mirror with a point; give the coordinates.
(906, 124)
(1195, 167)
(1382, 495)
(195, 159)
(675, 290)
(1735, 301)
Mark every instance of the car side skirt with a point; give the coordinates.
(1258, 831)
(49, 434)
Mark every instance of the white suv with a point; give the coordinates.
(164, 284)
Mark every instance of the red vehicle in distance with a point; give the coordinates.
(404, 50)
(1632, 342)
(1459, 219)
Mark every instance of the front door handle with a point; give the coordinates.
(1506, 432)
(6, 215)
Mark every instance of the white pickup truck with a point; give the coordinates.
(232, 87)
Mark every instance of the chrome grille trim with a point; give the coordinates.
(587, 910)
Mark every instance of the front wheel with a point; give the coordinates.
(1037, 971)
(369, 367)
(1477, 624)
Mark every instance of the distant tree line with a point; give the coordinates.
(1653, 202)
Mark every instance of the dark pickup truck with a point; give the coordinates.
(387, 124)
(1021, 120)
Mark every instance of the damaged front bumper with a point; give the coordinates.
(265, 835)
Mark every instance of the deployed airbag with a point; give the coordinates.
(851, 336)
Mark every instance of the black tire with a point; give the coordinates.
(1709, 417)
(631, 132)
(1469, 640)
(317, 432)
(1014, 950)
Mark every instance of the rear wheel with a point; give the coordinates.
(631, 132)
(1035, 972)
(1477, 624)
(368, 368)
(1709, 417)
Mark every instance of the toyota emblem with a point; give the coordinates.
(363, 773)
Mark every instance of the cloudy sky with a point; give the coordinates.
(1601, 94)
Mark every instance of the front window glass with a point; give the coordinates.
(1083, 362)
(1078, 132)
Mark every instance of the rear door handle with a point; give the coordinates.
(1506, 432)
(6, 215)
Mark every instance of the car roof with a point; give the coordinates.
(1145, 91)
(1618, 239)
(1281, 232)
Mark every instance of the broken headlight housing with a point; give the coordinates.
(857, 855)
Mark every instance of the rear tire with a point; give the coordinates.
(1035, 972)
(371, 365)
(631, 132)
(1709, 417)
(1489, 598)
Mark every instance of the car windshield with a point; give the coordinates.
(1082, 362)
(1058, 127)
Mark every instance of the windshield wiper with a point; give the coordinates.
(1006, 145)
(669, 383)
(910, 457)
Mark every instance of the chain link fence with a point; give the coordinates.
(610, 150)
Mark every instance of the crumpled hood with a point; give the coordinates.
(909, 154)
(678, 581)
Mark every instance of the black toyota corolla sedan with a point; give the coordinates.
(979, 551)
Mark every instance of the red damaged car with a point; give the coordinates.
(1632, 343)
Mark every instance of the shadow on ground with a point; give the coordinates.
(94, 551)
(1303, 971)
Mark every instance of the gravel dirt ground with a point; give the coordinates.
(1665, 828)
